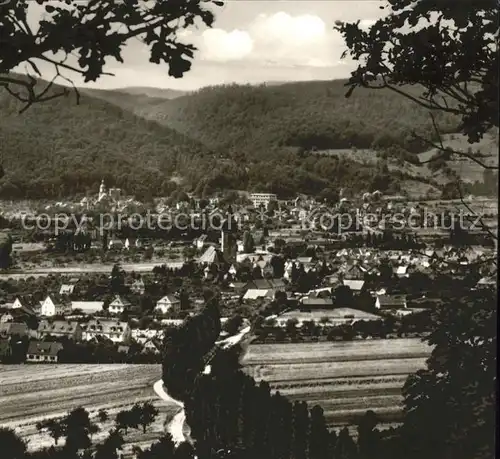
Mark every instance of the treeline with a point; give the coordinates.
(228, 411)
(417, 324)
(105, 352)
(185, 349)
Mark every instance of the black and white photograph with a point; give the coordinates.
(248, 229)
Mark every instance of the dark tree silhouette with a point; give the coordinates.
(11, 446)
(450, 405)
(92, 32)
(409, 61)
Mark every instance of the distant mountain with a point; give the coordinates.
(275, 83)
(159, 93)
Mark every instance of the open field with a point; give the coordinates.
(30, 393)
(345, 378)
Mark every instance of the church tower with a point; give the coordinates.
(102, 191)
(229, 245)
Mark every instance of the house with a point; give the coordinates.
(487, 282)
(115, 244)
(238, 287)
(168, 303)
(43, 352)
(355, 285)
(354, 272)
(200, 242)
(150, 347)
(317, 302)
(138, 287)
(49, 308)
(67, 289)
(305, 260)
(114, 330)
(7, 317)
(273, 285)
(254, 294)
(403, 271)
(267, 270)
(8, 329)
(332, 280)
(326, 317)
(143, 335)
(391, 302)
(60, 329)
(212, 256)
(131, 243)
(118, 305)
(262, 199)
(87, 307)
(17, 304)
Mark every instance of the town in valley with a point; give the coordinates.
(248, 230)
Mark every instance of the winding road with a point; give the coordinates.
(177, 427)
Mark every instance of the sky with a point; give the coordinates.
(251, 42)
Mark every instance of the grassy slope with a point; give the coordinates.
(29, 393)
(465, 168)
(346, 379)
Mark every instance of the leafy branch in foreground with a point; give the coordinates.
(78, 37)
(446, 52)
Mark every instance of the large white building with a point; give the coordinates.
(48, 308)
(116, 331)
(262, 199)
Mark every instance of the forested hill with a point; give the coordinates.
(314, 114)
(261, 138)
(59, 148)
(274, 130)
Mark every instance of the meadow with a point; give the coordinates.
(30, 393)
(345, 378)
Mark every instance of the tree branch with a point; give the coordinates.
(484, 226)
(450, 151)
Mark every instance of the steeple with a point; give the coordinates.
(102, 191)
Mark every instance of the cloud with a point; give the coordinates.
(365, 24)
(274, 39)
(221, 46)
(286, 30)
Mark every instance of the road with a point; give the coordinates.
(87, 269)
(177, 427)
